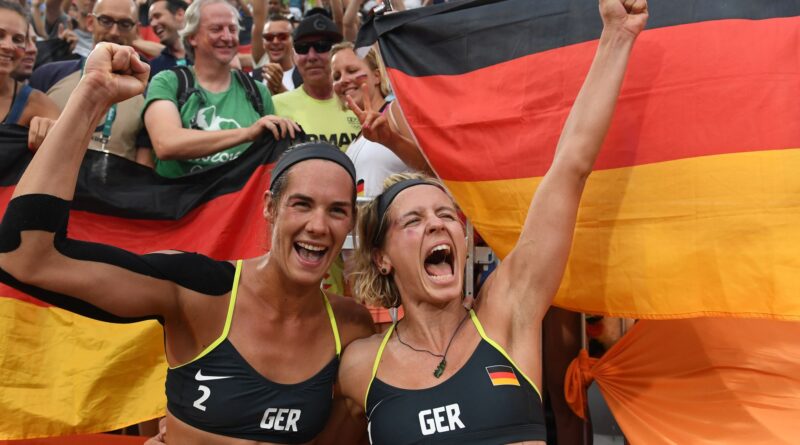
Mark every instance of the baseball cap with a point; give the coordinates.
(317, 25)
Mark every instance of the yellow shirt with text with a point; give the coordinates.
(322, 120)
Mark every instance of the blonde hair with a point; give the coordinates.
(373, 62)
(369, 284)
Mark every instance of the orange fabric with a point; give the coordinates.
(579, 377)
(703, 381)
(381, 315)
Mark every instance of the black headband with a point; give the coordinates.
(385, 199)
(312, 150)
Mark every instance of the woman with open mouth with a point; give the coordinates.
(253, 345)
(360, 85)
(447, 372)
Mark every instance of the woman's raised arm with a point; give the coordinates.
(532, 272)
(35, 250)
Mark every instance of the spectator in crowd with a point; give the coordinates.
(314, 105)
(120, 132)
(63, 41)
(297, 8)
(19, 103)
(167, 17)
(53, 24)
(245, 20)
(24, 70)
(359, 83)
(226, 110)
(276, 7)
(54, 16)
(81, 28)
(276, 49)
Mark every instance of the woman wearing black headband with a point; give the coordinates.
(253, 345)
(450, 374)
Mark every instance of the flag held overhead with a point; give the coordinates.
(692, 207)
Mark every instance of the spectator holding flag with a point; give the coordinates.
(208, 114)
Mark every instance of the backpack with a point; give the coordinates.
(186, 87)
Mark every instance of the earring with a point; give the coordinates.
(384, 271)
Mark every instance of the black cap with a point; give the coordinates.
(318, 10)
(317, 25)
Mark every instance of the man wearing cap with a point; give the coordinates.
(314, 105)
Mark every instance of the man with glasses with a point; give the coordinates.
(314, 105)
(121, 131)
(274, 54)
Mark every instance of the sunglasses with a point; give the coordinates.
(108, 22)
(321, 46)
(281, 36)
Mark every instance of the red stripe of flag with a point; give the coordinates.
(673, 83)
(502, 375)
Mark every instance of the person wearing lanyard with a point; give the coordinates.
(122, 132)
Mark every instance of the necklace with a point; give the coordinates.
(442, 364)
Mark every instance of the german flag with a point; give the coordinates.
(694, 205)
(501, 375)
(62, 373)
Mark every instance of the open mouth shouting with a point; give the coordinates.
(309, 253)
(439, 263)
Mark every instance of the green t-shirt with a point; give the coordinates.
(210, 111)
(322, 120)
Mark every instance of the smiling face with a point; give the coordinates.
(217, 36)
(13, 28)
(165, 24)
(424, 246)
(349, 73)
(310, 220)
(277, 38)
